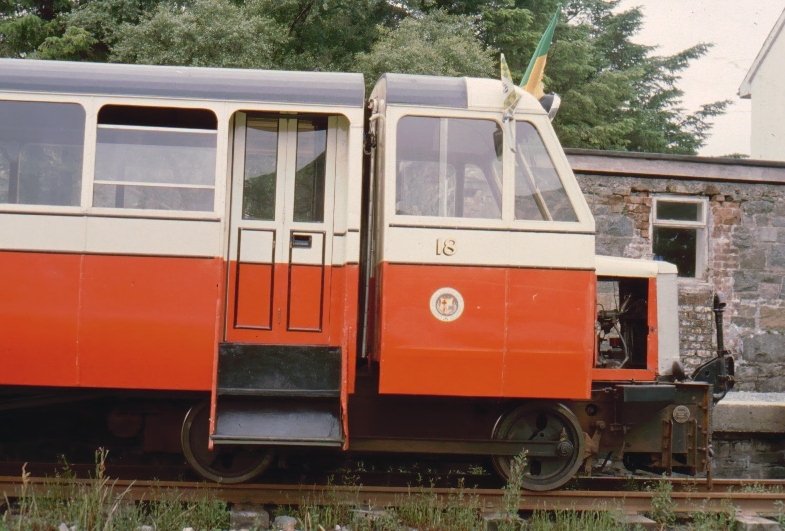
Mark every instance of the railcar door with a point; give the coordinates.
(281, 212)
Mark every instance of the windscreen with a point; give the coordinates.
(448, 167)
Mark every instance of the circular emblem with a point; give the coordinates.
(446, 304)
(681, 414)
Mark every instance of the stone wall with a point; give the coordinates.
(750, 457)
(745, 258)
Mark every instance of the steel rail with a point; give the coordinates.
(768, 502)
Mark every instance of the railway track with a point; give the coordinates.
(688, 496)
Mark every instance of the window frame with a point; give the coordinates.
(584, 224)
(700, 226)
(91, 105)
(537, 195)
(391, 178)
(220, 133)
(86, 155)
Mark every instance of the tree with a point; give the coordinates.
(25, 24)
(434, 43)
(616, 94)
(91, 29)
(204, 33)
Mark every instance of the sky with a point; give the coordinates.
(737, 29)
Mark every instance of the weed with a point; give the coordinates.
(760, 488)
(312, 516)
(780, 513)
(662, 506)
(424, 509)
(710, 521)
(573, 521)
(511, 498)
(97, 506)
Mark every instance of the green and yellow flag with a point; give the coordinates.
(532, 79)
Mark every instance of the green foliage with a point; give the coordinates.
(459, 511)
(616, 94)
(97, 505)
(711, 521)
(91, 29)
(437, 43)
(206, 33)
(328, 34)
(511, 498)
(663, 509)
(573, 521)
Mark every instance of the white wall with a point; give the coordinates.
(768, 104)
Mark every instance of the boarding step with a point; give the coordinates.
(278, 395)
(278, 370)
(278, 421)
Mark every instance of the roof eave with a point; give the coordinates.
(745, 89)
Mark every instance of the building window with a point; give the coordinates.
(679, 233)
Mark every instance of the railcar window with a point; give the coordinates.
(155, 159)
(261, 161)
(41, 145)
(539, 193)
(448, 167)
(309, 180)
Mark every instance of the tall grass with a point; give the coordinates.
(98, 506)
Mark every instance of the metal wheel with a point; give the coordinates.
(222, 464)
(547, 423)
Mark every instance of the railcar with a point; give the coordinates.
(259, 262)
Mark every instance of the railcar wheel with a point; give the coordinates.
(222, 464)
(548, 423)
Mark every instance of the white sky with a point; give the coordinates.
(737, 29)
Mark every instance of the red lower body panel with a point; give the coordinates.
(521, 333)
(109, 321)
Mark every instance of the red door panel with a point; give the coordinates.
(306, 297)
(252, 285)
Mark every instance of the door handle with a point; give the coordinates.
(302, 241)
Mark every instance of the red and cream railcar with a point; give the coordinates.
(208, 233)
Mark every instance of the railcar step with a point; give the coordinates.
(290, 422)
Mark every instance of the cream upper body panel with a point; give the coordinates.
(504, 237)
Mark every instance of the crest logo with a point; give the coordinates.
(446, 304)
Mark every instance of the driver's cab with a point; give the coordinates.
(484, 245)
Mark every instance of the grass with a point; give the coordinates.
(663, 509)
(711, 521)
(97, 506)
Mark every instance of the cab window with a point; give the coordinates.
(539, 193)
(448, 167)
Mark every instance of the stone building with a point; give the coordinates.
(764, 84)
(723, 222)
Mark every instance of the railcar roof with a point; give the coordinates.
(62, 77)
(449, 92)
